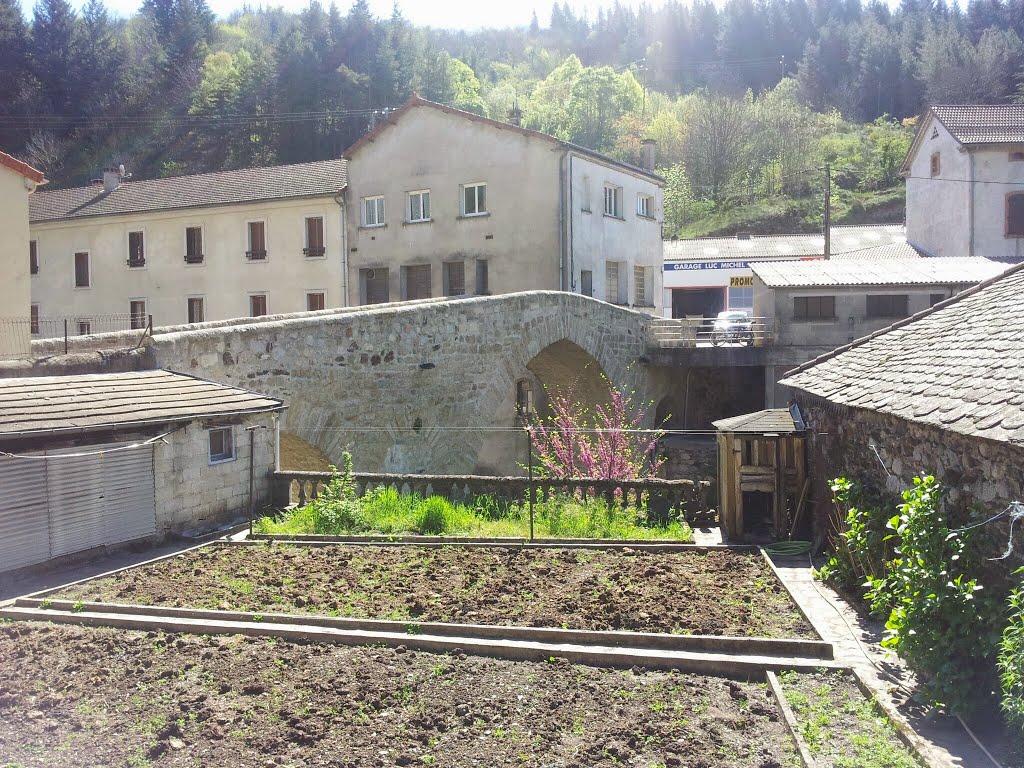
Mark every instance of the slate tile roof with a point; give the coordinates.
(327, 177)
(957, 366)
(982, 123)
(886, 241)
(889, 272)
(90, 402)
(778, 420)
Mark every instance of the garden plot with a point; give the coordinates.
(72, 696)
(840, 726)
(713, 592)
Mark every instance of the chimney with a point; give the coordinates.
(112, 178)
(647, 153)
(515, 115)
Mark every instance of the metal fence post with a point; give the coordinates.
(529, 464)
(65, 335)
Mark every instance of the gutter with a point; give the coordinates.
(340, 200)
(572, 213)
(561, 223)
(970, 205)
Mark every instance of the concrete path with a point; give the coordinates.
(856, 644)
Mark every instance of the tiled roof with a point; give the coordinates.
(777, 420)
(982, 123)
(327, 177)
(24, 169)
(964, 270)
(416, 101)
(101, 401)
(886, 241)
(958, 366)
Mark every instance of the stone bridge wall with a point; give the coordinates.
(425, 387)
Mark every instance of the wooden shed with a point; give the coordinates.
(762, 474)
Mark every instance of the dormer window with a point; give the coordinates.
(936, 164)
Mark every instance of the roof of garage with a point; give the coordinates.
(91, 402)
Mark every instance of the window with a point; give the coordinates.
(257, 241)
(474, 199)
(34, 319)
(887, 306)
(613, 201)
(1017, 157)
(222, 444)
(374, 285)
(314, 237)
(524, 399)
(33, 257)
(84, 327)
(585, 194)
(742, 298)
(611, 282)
(935, 298)
(82, 276)
(136, 249)
(419, 205)
(137, 314)
(587, 282)
(455, 278)
(483, 285)
(645, 206)
(1015, 214)
(814, 307)
(193, 245)
(640, 298)
(417, 281)
(196, 309)
(373, 211)
(314, 301)
(257, 304)
(936, 164)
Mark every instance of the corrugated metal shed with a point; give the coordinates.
(853, 272)
(885, 241)
(39, 405)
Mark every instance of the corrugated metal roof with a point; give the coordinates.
(982, 123)
(886, 241)
(249, 185)
(777, 420)
(958, 366)
(100, 401)
(847, 272)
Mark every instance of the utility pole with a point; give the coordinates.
(827, 218)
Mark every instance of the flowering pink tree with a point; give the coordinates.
(606, 441)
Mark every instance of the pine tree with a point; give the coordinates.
(54, 55)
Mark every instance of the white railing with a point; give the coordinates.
(708, 332)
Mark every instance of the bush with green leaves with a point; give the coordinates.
(336, 509)
(1011, 663)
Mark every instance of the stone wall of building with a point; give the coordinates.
(425, 387)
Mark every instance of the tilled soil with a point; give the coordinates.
(77, 696)
(712, 593)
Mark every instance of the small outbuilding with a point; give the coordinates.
(90, 461)
(762, 473)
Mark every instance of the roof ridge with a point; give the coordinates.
(954, 299)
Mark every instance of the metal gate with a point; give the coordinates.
(55, 506)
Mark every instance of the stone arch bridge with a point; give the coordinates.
(421, 387)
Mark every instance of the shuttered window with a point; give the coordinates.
(257, 241)
(455, 278)
(196, 309)
(194, 245)
(417, 281)
(314, 301)
(314, 237)
(375, 285)
(611, 278)
(257, 305)
(640, 282)
(33, 257)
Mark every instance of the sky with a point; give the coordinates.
(453, 14)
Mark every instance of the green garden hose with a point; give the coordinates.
(788, 548)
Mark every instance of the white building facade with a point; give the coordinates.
(445, 203)
(192, 248)
(17, 182)
(965, 181)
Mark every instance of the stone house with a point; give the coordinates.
(96, 460)
(190, 248)
(447, 203)
(965, 181)
(816, 306)
(17, 181)
(941, 392)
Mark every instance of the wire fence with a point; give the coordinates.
(17, 334)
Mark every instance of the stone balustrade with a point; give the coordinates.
(692, 499)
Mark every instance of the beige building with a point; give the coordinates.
(446, 203)
(17, 182)
(191, 248)
(965, 181)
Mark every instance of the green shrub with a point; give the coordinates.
(433, 515)
(1011, 663)
(336, 510)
